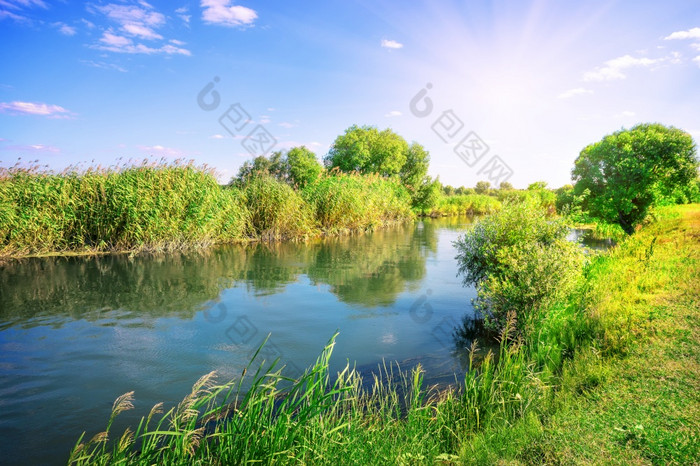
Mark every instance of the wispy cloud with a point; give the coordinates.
(221, 12)
(114, 43)
(574, 92)
(64, 29)
(132, 23)
(31, 148)
(697, 60)
(216, 136)
(613, 69)
(162, 151)
(182, 14)
(693, 33)
(391, 44)
(104, 66)
(15, 9)
(34, 108)
(393, 113)
(286, 124)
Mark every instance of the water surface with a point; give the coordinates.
(75, 333)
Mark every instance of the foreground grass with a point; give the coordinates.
(607, 375)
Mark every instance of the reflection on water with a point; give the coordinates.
(75, 333)
(584, 236)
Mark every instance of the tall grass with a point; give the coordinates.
(275, 210)
(316, 418)
(151, 205)
(346, 202)
(464, 204)
(173, 205)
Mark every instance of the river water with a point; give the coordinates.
(75, 333)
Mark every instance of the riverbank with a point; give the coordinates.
(630, 395)
(619, 353)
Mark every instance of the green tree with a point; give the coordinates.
(629, 171)
(274, 166)
(537, 185)
(482, 187)
(448, 190)
(505, 186)
(302, 165)
(428, 194)
(365, 149)
(415, 169)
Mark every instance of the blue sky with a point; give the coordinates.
(536, 80)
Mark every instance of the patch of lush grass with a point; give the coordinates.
(464, 204)
(350, 202)
(148, 206)
(276, 211)
(629, 395)
(167, 206)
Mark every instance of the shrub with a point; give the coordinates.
(519, 260)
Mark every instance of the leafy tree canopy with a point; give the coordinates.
(630, 170)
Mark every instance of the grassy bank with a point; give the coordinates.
(607, 374)
(463, 204)
(159, 206)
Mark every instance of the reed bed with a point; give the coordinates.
(161, 205)
(348, 202)
(464, 204)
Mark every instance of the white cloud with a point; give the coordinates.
(391, 44)
(286, 124)
(114, 40)
(140, 30)
(393, 113)
(34, 108)
(132, 14)
(182, 14)
(625, 114)
(104, 66)
(121, 44)
(19, 4)
(696, 46)
(65, 29)
(693, 33)
(574, 92)
(613, 69)
(32, 148)
(697, 59)
(161, 151)
(216, 136)
(135, 22)
(223, 13)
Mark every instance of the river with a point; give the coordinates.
(75, 333)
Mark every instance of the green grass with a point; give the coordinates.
(350, 202)
(464, 204)
(166, 206)
(607, 375)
